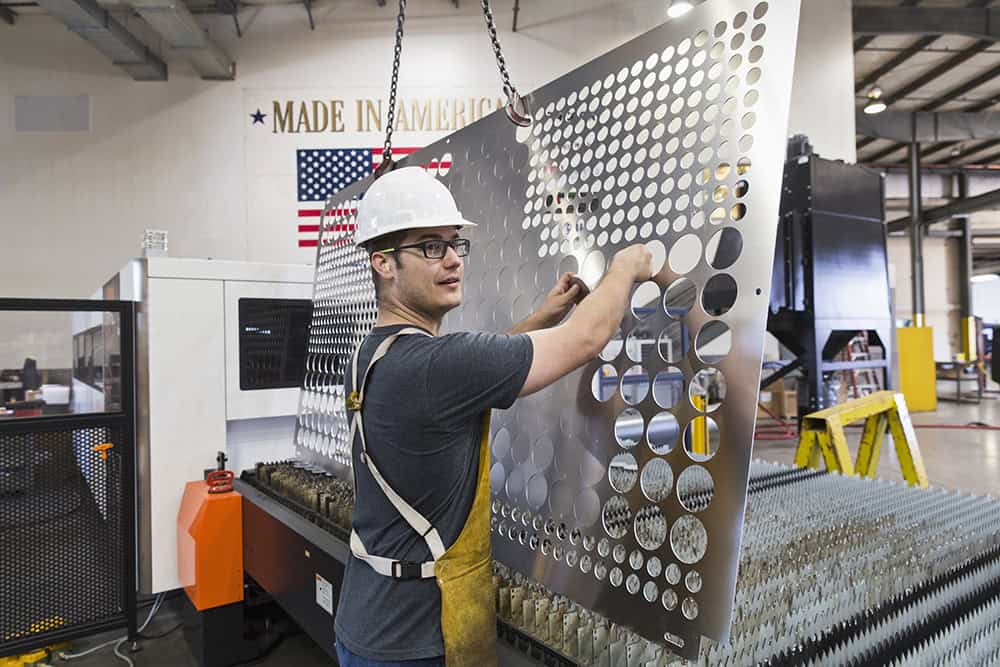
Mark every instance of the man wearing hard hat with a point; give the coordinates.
(419, 589)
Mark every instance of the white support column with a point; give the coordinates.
(823, 87)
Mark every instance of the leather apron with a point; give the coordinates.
(464, 570)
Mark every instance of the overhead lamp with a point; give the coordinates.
(679, 8)
(875, 104)
(984, 278)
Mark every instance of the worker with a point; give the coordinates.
(419, 590)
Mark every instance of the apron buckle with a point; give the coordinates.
(353, 401)
(406, 569)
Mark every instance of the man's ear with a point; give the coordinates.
(384, 266)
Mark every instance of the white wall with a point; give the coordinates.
(942, 299)
(183, 156)
(986, 301)
(45, 337)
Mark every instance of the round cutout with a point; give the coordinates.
(671, 344)
(724, 248)
(657, 480)
(701, 438)
(667, 387)
(659, 253)
(613, 347)
(623, 472)
(498, 477)
(650, 528)
(640, 344)
(679, 298)
(713, 342)
(629, 427)
(537, 491)
(616, 517)
(645, 299)
(604, 382)
(635, 385)
(719, 294)
(663, 433)
(501, 444)
(707, 390)
(592, 269)
(695, 488)
(684, 254)
(689, 539)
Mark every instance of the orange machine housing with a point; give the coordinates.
(210, 546)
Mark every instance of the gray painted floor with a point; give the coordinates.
(964, 460)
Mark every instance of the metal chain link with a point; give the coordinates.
(508, 87)
(517, 107)
(387, 161)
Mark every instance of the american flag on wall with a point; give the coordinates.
(324, 171)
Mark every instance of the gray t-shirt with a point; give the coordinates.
(423, 413)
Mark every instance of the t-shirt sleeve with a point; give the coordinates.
(469, 373)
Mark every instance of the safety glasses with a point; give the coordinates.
(436, 248)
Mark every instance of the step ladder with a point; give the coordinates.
(861, 381)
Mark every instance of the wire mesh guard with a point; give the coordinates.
(61, 527)
(626, 481)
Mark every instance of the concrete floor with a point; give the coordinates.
(964, 460)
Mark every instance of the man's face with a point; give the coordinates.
(432, 286)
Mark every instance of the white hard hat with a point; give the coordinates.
(406, 198)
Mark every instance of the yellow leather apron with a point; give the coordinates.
(464, 570)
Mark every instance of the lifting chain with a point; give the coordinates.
(517, 107)
(388, 164)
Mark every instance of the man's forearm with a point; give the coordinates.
(532, 322)
(601, 312)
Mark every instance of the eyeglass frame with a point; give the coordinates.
(423, 247)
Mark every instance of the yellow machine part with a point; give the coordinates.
(36, 657)
(822, 437)
(917, 374)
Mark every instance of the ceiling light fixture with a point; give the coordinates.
(985, 278)
(875, 104)
(679, 8)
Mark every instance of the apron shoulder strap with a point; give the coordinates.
(387, 566)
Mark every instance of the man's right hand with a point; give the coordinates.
(635, 260)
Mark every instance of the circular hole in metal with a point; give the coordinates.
(663, 433)
(632, 584)
(501, 443)
(616, 517)
(572, 557)
(685, 254)
(537, 491)
(671, 344)
(515, 484)
(635, 385)
(592, 269)
(720, 193)
(667, 387)
(613, 347)
(623, 472)
(713, 342)
(719, 295)
(619, 553)
(604, 383)
(498, 477)
(689, 539)
(586, 563)
(672, 573)
(739, 20)
(588, 542)
(760, 10)
(636, 559)
(644, 299)
(659, 253)
(695, 488)
(758, 32)
(756, 53)
(616, 577)
(654, 566)
(753, 76)
(629, 427)
(640, 344)
(669, 599)
(650, 592)
(707, 390)
(650, 527)
(542, 453)
(657, 480)
(600, 571)
(692, 581)
(742, 188)
(679, 298)
(689, 608)
(603, 547)
(701, 438)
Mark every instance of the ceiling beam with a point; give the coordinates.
(956, 208)
(7, 15)
(993, 143)
(862, 42)
(894, 62)
(981, 23)
(174, 22)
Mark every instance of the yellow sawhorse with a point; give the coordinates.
(822, 437)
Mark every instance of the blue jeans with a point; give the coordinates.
(348, 659)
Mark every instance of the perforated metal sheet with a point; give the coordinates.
(623, 485)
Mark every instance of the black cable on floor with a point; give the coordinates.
(161, 634)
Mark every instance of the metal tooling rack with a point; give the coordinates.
(831, 234)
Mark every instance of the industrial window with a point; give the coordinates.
(274, 334)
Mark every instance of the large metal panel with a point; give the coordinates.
(675, 139)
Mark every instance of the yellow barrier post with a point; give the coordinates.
(823, 434)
